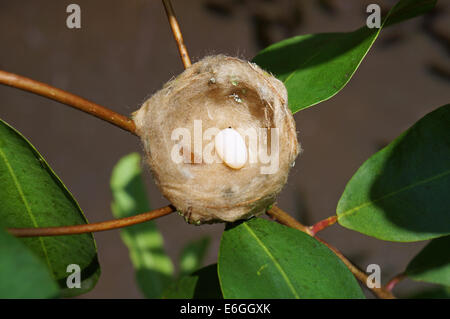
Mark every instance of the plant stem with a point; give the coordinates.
(67, 98)
(284, 218)
(317, 227)
(94, 227)
(177, 34)
(394, 281)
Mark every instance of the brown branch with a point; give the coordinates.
(394, 281)
(177, 34)
(317, 227)
(94, 227)
(285, 219)
(67, 98)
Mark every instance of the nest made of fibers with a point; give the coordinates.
(221, 92)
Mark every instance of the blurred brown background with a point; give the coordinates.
(125, 51)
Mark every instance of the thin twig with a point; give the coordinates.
(94, 227)
(284, 218)
(394, 281)
(317, 227)
(67, 98)
(177, 34)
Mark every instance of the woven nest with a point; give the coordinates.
(219, 92)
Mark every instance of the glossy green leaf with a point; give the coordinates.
(154, 269)
(262, 259)
(193, 254)
(315, 67)
(31, 195)
(202, 284)
(22, 274)
(432, 264)
(401, 193)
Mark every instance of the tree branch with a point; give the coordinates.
(394, 281)
(39, 88)
(177, 34)
(317, 227)
(94, 227)
(285, 219)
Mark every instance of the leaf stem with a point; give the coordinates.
(39, 88)
(94, 227)
(177, 33)
(284, 218)
(394, 281)
(317, 227)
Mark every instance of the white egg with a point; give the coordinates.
(230, 147)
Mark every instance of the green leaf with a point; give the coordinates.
(154, 269)
(407, 9)
(401, 192)
(202, 284)
(193, 254)
(22, 274)
(432, 264)
(315, 67)
(262, 259)
(439, 292)
(31, 195)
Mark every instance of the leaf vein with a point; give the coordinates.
(403, 189)
(272, 258)
(25, 203)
